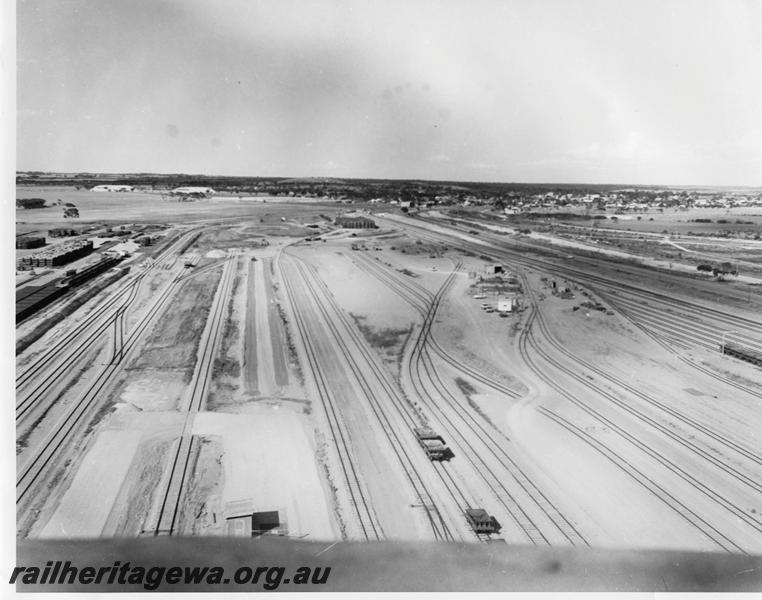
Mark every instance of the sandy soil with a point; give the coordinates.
(264, 361)
(144, 207)
(393, 500)
(265, 450)
(173, 341)
(82, 513)
(266, 443)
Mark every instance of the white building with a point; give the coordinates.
(507, 304)
(112, 188)
(207, 191)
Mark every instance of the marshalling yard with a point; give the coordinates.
(234, 367)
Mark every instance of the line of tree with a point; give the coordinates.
(30, 202)
(720, 270)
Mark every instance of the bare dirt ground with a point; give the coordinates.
(265, 452)
(560, 419)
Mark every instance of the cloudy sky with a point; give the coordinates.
(538, 91)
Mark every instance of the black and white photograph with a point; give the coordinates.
(383, 296)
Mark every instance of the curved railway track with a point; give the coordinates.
(421, 369)
(527, 340)
(671, 330)
(51, 447)
(420, 364)
(724, 440)
(421, 298)
(50, 377)
(570, 273)
(663, 406)
(440, 528)
(493, 246)
(42, 376)
(682, 327)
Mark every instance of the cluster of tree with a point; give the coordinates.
(718, 270)
(30, 202)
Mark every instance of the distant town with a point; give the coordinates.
(509, 198)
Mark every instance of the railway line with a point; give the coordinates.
(46, 369)
(459, 419)
(403, 446)
(492, 244)
(662, 406)
(689, 329)
(421, 298)
(166, 520)
(528, 340)
(425, 377)
(361, 505)
(669, 337)
(48, 378)
(51, 447)
(636, 305)
(570, 272)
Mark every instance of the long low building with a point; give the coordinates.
(192, 190)
(26, 242)
(355, 222)
(58, 255)
(112, 188)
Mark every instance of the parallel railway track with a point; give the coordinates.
(174, 485)
(47, 368)
(50, 448)
(422, 369)
(528, 340)
(440, 529)
(492, 245)
(366, 519)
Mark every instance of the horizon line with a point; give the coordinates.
(396, 179)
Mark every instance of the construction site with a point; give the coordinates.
(287, 371)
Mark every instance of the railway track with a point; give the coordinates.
(493, 246)
(421, 368)
(47, 368)
(366, 519)
(421, 298)
(692, 307)
(701, 428)
(647, 482)
(51, 447)
(668, 343)
(402, 447)
(166, 521)
(662, 406)
(683, 327)
(527, 340)
(50, 377)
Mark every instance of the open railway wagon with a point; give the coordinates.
(433, 444)
(738, 351)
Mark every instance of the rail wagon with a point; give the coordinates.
(482, 522)
(433, 444)
(738, 351)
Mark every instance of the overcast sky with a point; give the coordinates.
(661, 92)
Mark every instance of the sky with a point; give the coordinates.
(578, 91)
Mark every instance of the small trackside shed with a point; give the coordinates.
(481, 522)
